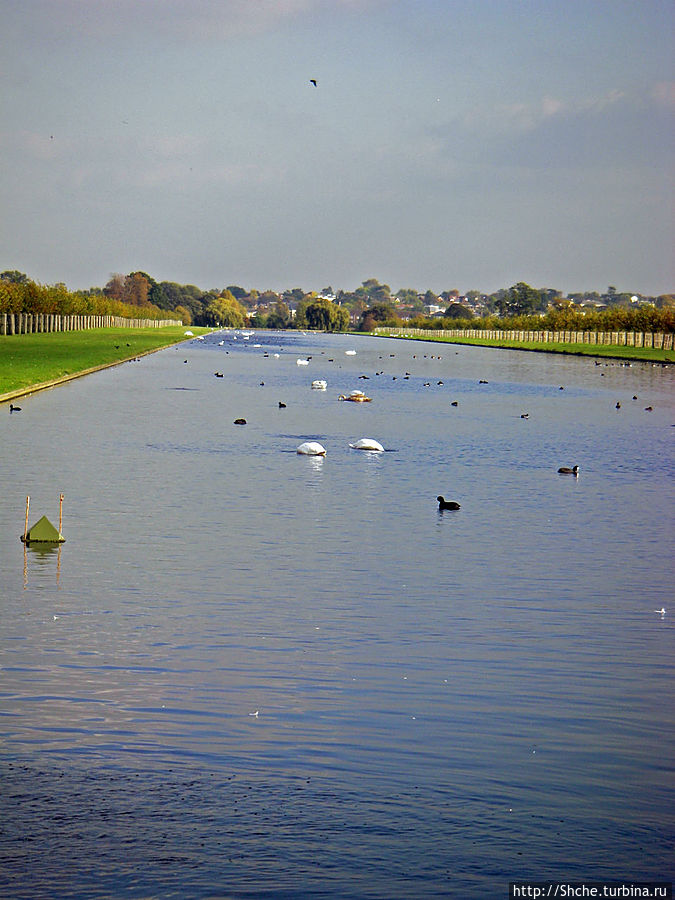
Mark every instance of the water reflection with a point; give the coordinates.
(43, 561)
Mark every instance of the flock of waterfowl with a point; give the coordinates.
(315, 448)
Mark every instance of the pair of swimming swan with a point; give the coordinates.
(314, 448)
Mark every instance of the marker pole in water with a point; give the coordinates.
(60, 512)
(25, 527)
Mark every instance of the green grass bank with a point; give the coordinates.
(608, 351)
(30, 362)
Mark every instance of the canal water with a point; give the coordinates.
(250, 673)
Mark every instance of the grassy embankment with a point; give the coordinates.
(610, 351)
(31, 361)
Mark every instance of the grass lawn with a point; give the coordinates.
(29, 360)
(611, 351)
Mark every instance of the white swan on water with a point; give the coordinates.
(302, 362)
(319, 385)
(311, 448)
(350, 352)
(368, 444)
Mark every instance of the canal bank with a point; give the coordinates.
(36, 362)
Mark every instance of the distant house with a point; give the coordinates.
(592, 305)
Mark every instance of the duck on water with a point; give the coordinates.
(446, 504)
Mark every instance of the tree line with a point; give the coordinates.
(19, 294)
(372, 304)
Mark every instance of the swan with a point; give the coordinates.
(565, 470)
(368, 444)
(302, 362)
(188, 333)
(350, 352)
(319, 385)
(356, 397)
(311, 448)
(446, 504)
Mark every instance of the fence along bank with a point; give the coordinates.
(656, 340)
(29, 323)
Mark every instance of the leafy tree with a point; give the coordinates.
(343, 319)
(185, 314)
(378, 314)
(14, 277)
(295, 295)
(115, 287)
(280, 316)
(325, 315)
(457, 311)
(155, 291)
(374, 291)
(136, 289)
(224, 310)
(519, 299)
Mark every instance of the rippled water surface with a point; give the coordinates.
(445, 701)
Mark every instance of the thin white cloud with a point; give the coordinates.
(521, 117)
(182, 20)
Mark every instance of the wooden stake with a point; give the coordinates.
(60, 512)
(25, 528)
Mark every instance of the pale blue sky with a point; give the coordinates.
(462, 144)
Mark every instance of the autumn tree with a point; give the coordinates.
(324, 315)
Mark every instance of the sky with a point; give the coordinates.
(448, 144)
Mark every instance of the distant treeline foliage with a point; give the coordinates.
(640, 319)
(519, 307)
(18, 294)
